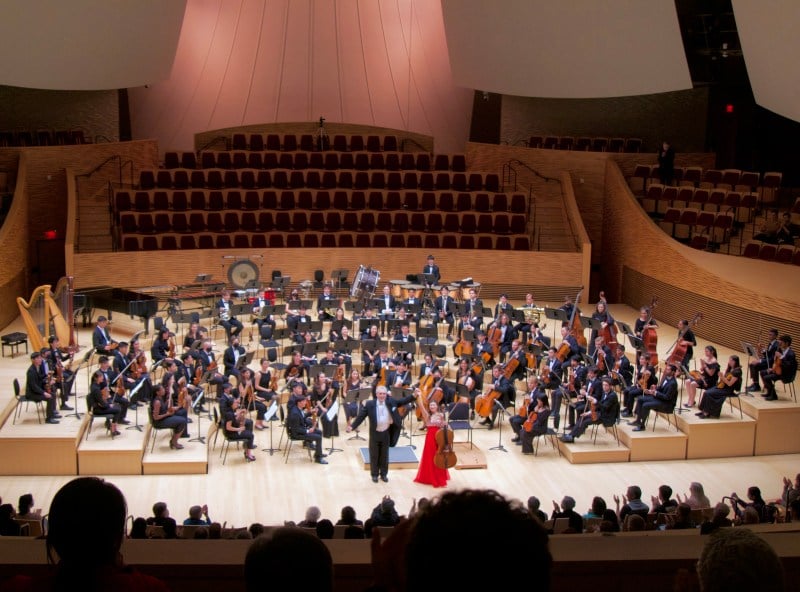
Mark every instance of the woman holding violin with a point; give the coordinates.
(428, 473)
(706, 377)
(535, 424)
(323, 396)
(166, 416)
(729, 382)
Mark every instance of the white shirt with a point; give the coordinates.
(383, 416)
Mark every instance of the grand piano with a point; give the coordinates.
(135, 304)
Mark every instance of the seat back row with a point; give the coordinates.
(279, 240)
(399, 222)
(585, 143)
(316, 179)
(310, 142)
(310, 199)
(269, 159)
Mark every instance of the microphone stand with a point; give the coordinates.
(502, 413)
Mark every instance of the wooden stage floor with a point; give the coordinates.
(761, 450)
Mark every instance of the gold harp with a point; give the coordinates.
(49, 313)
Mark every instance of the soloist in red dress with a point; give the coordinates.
(428, 472)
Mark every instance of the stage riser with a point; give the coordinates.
(33, 456)
(718, 438)
(605, 450)
(663, 444)
(776, 429)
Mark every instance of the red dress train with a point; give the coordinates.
(428, 473)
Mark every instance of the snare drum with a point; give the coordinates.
(240, 294)
(397, 287)
(365, 282)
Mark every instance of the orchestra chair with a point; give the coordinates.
(788, 385)
(289, 442)
(153, 428)
(40, 412)
(612, 425)
(92, 414)
(459, 420)
(551, 435)
(226, 443)
(668, 415)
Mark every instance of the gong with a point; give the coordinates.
(242, 272)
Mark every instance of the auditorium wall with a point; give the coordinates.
(14, 241)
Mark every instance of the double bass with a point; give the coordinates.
(609, 332)
(650, 335)
(678, 349)
(575, 327)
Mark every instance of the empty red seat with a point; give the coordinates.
(241, 241)
(223, 241)
(258, 241)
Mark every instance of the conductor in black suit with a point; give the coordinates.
(384, 429)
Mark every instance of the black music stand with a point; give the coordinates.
(195, 404)
(625, 328)
(334, 421)
(684, 373)
(502, 413)
(752, 352)
(556, 314)
(346, 345)
(339, 276)
(427, 335)
(398, 392)
(365, 324)
(356, 396)
(636, 342)
(518, 315)
(245, 360)
(354, 306)
(405, 348)
(270, 416)
(135, 402)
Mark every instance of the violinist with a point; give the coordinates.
(337, 324)
(296, 370)
(588, 391)
(709, 368)
(323, 397)
(206, 358)
(602, 407)
(161, 345)
(527, 407)
(765, 361)
(434, 420)
(231, 357)
(601, 355)
(110, 381)
(239, 427)
(659, 398)
(503, 307)
(387, 306)
(729, 383)
(607, 322)
(266, 385)
(250, 397)
(102, 404)
(224, 306)
(622, 369)
(301, 426)
(173, 389)
(354, 383)
(66, 376)
(101, 340)
(188, 371)
(164, 416)
(645, 379)
(444, 311)
(466, 377)
(507, 392)
(325, 304)
(193, 335)
(784, 368)
(121, 360)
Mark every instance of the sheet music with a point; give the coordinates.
(332, 411)
(271, 410)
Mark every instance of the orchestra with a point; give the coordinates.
(495, 362)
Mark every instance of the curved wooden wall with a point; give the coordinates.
(14, 242)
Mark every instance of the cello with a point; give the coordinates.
(445, 456)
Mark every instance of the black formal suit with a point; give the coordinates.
(507, 394)
(326, 301)
(57, 358)
(380, 442)
(607, 411)
(387, 303)
(664, 399)
(101, 340)
(233, 326)
(268, 320)
(115, 408)
(229, 358)
(434, 271)
(34, 390)
(443, 312)
(519, 373)
(476, 314)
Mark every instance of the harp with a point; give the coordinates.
(49, 313)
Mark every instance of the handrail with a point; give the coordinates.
(507, 172)
(413, 141)
(214, 140)
(533, 170)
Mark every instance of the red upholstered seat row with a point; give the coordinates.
(309, 142)
(279, 240)
(585, 143)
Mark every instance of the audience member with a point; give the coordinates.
(697, 498)
(610, 516)
(348, 517)
(598, 508)
(567, 510)
(25, 508)
(718, 520)
(384, 514)
(766, 512)
(737, 560)
(87, 552)
(354, 532)
(201, 533)
(681, 519)
(791, 491)
(325, 529)
(8, 527)
(633, 504)
(138, 529)
(256, 529)
(634, 523)
(215, 530)
(196, 514)
(287, 557)
(664, 504)
(312, 517)
(534, 508)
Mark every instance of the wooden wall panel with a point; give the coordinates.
(550, 275)
(738, 296)
(14, 241)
